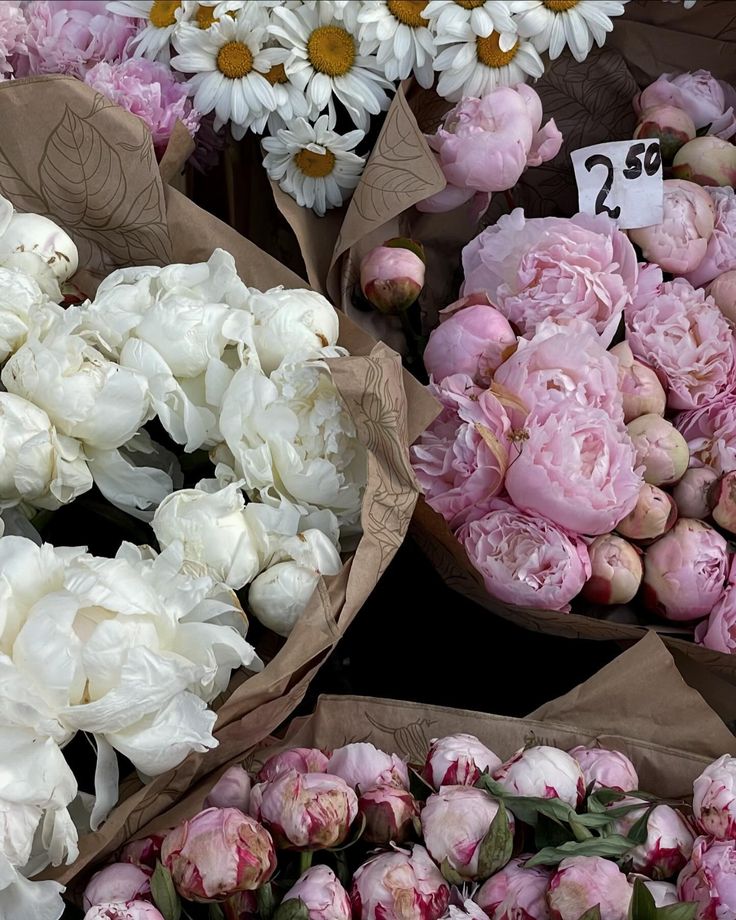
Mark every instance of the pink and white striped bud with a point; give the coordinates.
(669, 840)
(232, 790)
(714, 799)
(606, 769)
(392, 277)
(546, 772)
(124, 910)
(709, 879)
(317, 895)
(120, 881)
(458, 760)
(363, 766)
(584, 882)
(399, 886)
(390, 814)
(303, 760)
(515, 893)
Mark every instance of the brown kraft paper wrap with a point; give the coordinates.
(68, 153)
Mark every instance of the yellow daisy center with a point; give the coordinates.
(316, 165)
(470, 4)
(205, 16)
(276, 74)
(490, 54)
(331, 50)
(163, 13)
(559, 6)
(235, 60)
(408, 11)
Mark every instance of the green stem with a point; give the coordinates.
(581, 832)
(305, 861)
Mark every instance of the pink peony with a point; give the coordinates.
(321, 895)
(363, 766)
(710, 433)
(709, 879)
(124, 910)
(143, 852)
(515, 893)
(303, 760)
(524, 559)
(714, 799)
(392, 276)
(399, 885)
(671, 126)
(232, 790)
(669, 841)
(706, 100)
(692, 492)
(458, 760)
(390, 814)
(577, 468)
(12, 32)
(583, 267)
(718, 632)
(545, 772)
(641, 391)
(616, 571)
(584, 882)
(708, 161)
(683, 335)
(146, 89)
(484, 145)
(606, 769)
(120, 881)
(723, 291)
(461, 459)
(720, 254)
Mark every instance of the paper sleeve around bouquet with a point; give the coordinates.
(71, 155)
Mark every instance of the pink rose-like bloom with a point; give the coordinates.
(322, 895)
(12, 30)
(454, 822)
(515, 893)
(691, 494)
(117, 882)
(391, 278)
(709, 879)
(616, 571)
(399, 886)
(144, 852)
(723, 502)
(718, 632)
(458, 760)
(389, 814)
(582, 882)
(484, 145)
(669, 841)
(232, 790)
(606, 769)
(303, 760)
(678, 244)
(461, 459)
(714, 799)
(720, 254)
(363, 766)
(685, 571)
(546, 772)
(124, 910)
(473, 338)
(705, 99)
(305, 810)
(577, 468)
(683, 335)
(526, 560)
(146, 89)
(553, 267)
(641, 391)
(218, 852)
(710, 434)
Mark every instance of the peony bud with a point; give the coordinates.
(685, 571)
(691, 494)
(392, 277)
(723, 500)
(279, 596)
(606, 769)
(654, 514)
(660, 448)
(232, 790)
(458, 760)
(641, 391)
(317, 895)
(144, 852)
(664, 893)
(706, 160)
(303, 760)
(389, 814)
(671, 126)
(723, 291)
(41, 237)
(305, 811)
(584, 882)
(616, 571)
(399, 886)
(709, 879)
(714, 799)
(241, 906)
(123, 910)
(542, 771)
(515, 893)
(455, 821)
(669, 840)
(118, 882)
(216, 853)
(363, 766)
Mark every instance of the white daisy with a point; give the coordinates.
(230, 65)
(477, 65)
(325, 62)
(553, 24)
(452, 17)
(154, 39)
(313, 164)
(402, 37)
(205, 13)
(291, 103)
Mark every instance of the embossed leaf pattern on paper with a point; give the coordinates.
(410, 741)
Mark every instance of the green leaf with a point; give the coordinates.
(403, 242)
(527, 808)
(293, 909)
(215, 912)
(419, 787)
(164, 893)
(687, 910)
(549, 833)
(497, 846)
(603, 797)
(453, 877)
(265, 900)
(638, 833)
(593, 913)
(642, 906)
(612, 847)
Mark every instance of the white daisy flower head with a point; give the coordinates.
(451, 18)
(476, 65)
(325, 62)
(313, 163)
(230, 68)
(552, 25)
(206, 13)
(163, 17)
(397, 31)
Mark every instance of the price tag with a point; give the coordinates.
(622, 179)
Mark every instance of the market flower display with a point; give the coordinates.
(515, 891)
(543, 771)
(458, 760)
(399, 885)
(606, 769)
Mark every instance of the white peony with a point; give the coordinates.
(23, 306)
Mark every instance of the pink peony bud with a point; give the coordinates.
(399, 886)
(117, 882)
(241, 906)
(723, 500)
(685, 571)
(706, 160)
(363, 766)
(317, 895)
(144, 852)
(709, 879)
(515, 893)
(218, 852)
(654, 514)
(473, 338)
(660, 449)
(669, 841)
(606, 769)
(454, 822)
(305, 811)
(641, 390)
(458, 760)
(542, 771)
(389, 814)
(584, 882)
(672, 126)
(123, 910)
(705, 99)
(714, 799)
(232, 790)
(691, 493)
(723, 290)
(616, 571)
(303, 760)
(391, 278)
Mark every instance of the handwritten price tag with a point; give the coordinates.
(622, 179)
